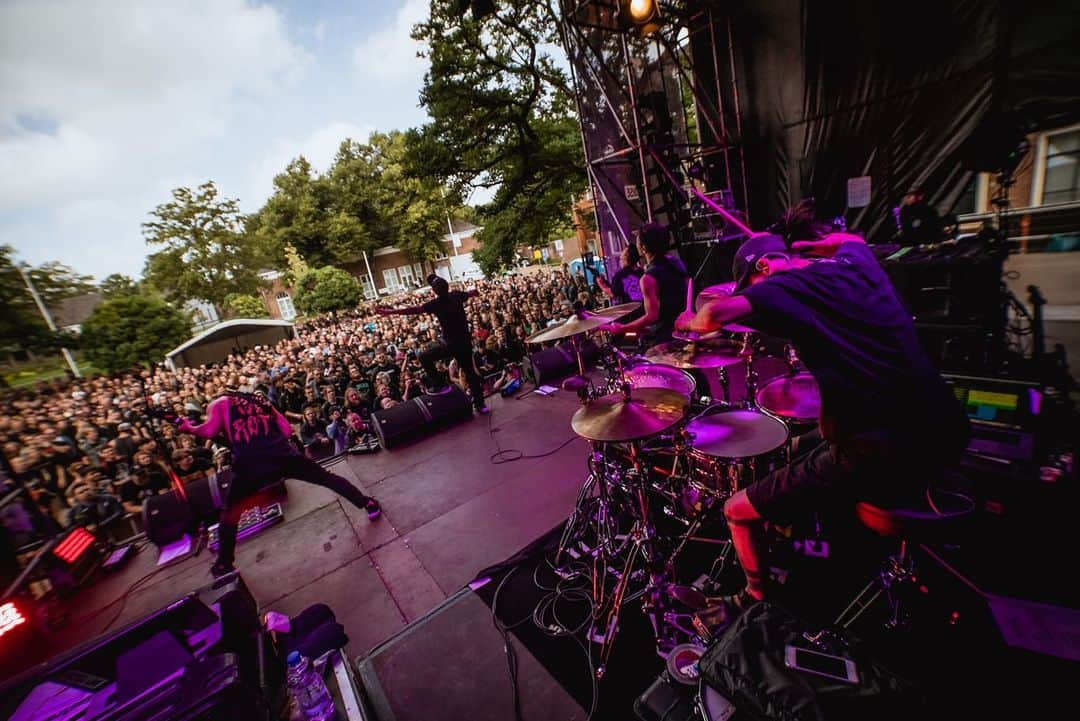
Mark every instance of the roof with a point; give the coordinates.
(226, 329)
(76, 309)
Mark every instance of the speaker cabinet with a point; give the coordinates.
(559, 361)
(420, 416)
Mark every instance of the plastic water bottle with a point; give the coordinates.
(309, 689)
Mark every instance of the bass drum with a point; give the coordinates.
(657, 375)
(733, 447)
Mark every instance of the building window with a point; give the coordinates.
(1062, 169)
(406, 275)
(285, 305)
(419, 270)
(967, 202)
(368, 288)
(390, 279)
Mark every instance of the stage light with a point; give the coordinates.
(639, 16)
(642, 10)
(10, 617)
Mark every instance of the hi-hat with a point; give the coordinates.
(572, 326)
(614, 419)
(739, 328)
(713, 354)
(616, 311)
(693, 337)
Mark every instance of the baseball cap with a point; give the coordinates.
(750, 252)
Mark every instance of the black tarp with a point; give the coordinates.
(836, 89)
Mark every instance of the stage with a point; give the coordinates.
(427, 646)
(448, 512)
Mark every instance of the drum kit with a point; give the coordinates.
(664, 457)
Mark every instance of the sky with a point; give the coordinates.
(106, 105)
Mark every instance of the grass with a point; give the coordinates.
(27, 373)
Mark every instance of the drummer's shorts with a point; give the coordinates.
(876, 466)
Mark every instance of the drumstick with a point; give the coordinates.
(690, 295)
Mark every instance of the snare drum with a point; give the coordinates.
(733, 447)
(657, 375)
(794, 398)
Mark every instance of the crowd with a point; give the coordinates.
(92, 449)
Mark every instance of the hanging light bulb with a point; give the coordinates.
(642, 10)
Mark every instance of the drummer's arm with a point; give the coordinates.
(650, 297)
(716, 314)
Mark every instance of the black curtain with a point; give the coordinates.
(843, 88)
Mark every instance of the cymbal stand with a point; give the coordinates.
(751, 380)
(642, 544)
(721, 374)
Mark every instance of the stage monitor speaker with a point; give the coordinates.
(166, 518)
(420, 416)
(559, 361)
(450, 665)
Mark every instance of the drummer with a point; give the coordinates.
(890, 423)
(663, 288)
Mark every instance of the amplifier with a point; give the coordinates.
(421, 416)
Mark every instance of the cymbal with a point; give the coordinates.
(739, 328)
(691, 336)
(616, 311)
(713, 354)
(614, 419)
(722, 290)
(572, 326)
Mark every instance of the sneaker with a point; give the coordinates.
(220, 569)
(374, 510)
(483, 410)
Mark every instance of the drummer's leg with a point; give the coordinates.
(781, 497)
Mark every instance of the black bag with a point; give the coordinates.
(746, 665)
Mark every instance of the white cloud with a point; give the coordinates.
(319, 147)
(389, 55)
(133, 89)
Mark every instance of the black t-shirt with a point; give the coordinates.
(850, 330)
(131, 492)
(671, 292)
(450, 310)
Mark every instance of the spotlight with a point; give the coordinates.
(641, 16)
(641, 10)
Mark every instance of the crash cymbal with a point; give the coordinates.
(616, 311)
(613, 419)
(572, 326)
(723, 290)
(712, 354)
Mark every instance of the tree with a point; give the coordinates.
(326, 289)
(304, 213)
(502, 116)
(295, 265)
(206, 255)
(21, 325)
(245, 306)
(55, 281)
(132, 330)
(118, 285)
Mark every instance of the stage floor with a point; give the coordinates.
(448, 512)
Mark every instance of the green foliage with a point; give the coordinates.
(326, 289)
(132, 330)
(55, 281)
(21, 325)
(295, 265)
(205, 253)
(118, 285)
(502, 116)
(245, 306)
